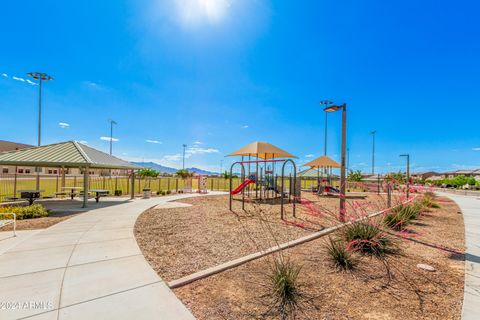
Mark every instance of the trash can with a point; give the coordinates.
(147, 193)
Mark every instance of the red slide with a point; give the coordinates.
(243, 185)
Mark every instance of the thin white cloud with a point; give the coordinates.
(198, 150)
(31, 82)
(153, 141)
(173, 157)
(18, 79)
(309, 155)
(63, 125)
(108, 139)
(197, 142)
(5, 75)
(476, 149)
(245, 126)
(83, 142)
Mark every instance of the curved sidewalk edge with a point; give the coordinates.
(87, 267)
(470, 207)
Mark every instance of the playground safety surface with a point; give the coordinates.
(180, 241)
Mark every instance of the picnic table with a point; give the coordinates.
(72, 190)
(99, 193)
(30, 195)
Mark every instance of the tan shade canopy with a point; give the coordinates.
(323, 162)
(263, 150)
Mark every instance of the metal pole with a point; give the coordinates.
(132, 190)
(408, 176)
(111, 136)
(373, 152)
(342, 170)
(325, 144)
(85, 186)
(183, 161)
(389, 195)
(37, 181)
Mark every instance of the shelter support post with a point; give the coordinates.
(132, 189)
(85, 186)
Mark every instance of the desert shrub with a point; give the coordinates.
(284, 288)
(27, 212)
(428, 201)
(395, 221)
(339, 256)
(169, 191)
(368, 239)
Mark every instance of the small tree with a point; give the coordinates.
(355, 176)
(184, 173)
(148, 173)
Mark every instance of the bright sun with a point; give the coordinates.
(198, 11)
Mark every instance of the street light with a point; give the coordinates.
(334, 108)
(373, 151)
(325, 103)
(112, 122)
(40, 76)
(408, 173)
(183, 162)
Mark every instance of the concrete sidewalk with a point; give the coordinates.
(87, 267)
(470, 206)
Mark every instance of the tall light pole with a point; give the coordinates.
(112, 122)
(325, 103)
(348, 159)
(183, 161)
(40, 76)
(408, 172)
(373, 151)
(334, 108)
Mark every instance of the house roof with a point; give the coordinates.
(10, 146)
(263, 150)
(309, 173)
(69, 154)
(323, 162)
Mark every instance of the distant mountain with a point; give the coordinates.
(164, 169)
(201, 171)
(156, 167)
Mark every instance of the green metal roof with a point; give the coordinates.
(69, 154)
(309, 173)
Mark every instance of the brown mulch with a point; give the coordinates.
(437, 239)
(180, 241)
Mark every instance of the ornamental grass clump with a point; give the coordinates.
(339, 256)
(367, 239)
(285, 293)
(428, 200)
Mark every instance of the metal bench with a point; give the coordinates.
(6, 222)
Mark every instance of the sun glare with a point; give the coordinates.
(192, 12)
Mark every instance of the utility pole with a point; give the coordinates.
(408, 173)
(373, 151)
(40, 76)
(112, 122)
(183, 161)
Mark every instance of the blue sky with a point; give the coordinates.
(219, 74)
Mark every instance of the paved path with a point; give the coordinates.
(87, 267)
(470, 206)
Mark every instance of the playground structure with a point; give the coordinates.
(267, 184)
(326, 163)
